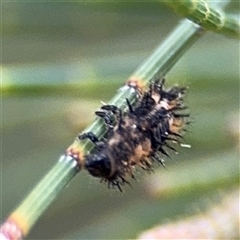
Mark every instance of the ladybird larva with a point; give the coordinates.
(136, 137)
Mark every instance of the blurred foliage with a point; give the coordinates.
(219, 221)
(59, 60)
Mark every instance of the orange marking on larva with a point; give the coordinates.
(155, 97)
(137, 155)
(177, 125)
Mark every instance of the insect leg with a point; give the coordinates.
(106, 117)
(89, 135)
(111, 108)
(116, 111)
(93, 138)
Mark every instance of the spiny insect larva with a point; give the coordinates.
(137, 137)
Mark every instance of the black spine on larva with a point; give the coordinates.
(136, 137)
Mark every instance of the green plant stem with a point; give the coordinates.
(48, 188)
(159, 63)
(206, 16)
(45, 192)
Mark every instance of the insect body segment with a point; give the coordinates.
(138, 137)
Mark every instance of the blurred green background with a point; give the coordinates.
(59, 60)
